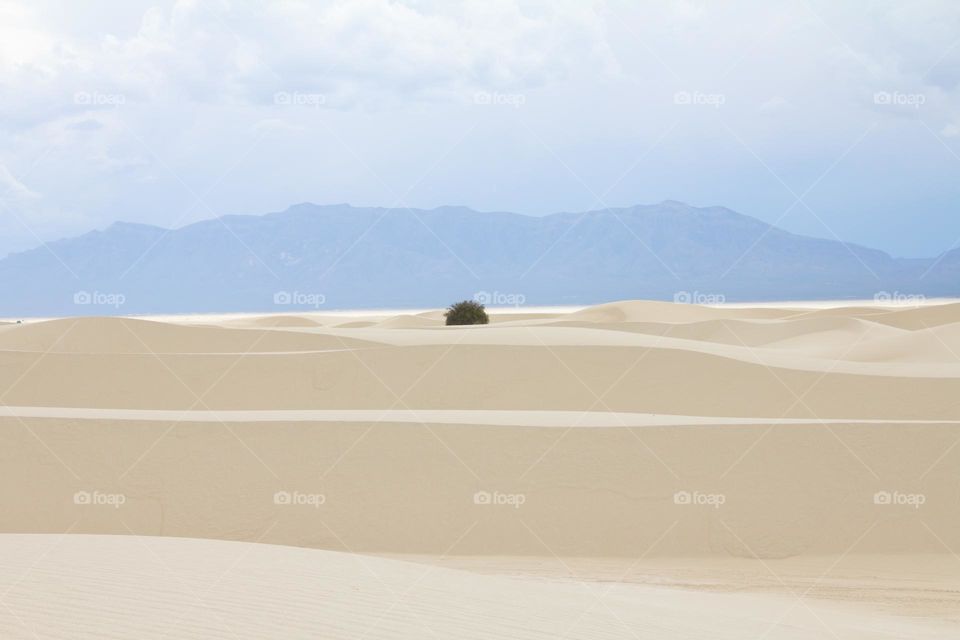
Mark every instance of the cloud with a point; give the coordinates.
(13, 189)
(370, 49)
(87, 124)
(268, 125)
(354, 52)
(951, 130)
(775, 103)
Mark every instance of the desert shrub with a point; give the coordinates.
(466, 312)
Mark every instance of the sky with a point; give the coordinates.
(839, 119)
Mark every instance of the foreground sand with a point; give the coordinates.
(713, 472)
(130, 587)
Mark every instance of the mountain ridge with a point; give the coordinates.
(406, 257)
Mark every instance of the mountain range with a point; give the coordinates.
(338, 256)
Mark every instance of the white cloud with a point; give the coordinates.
(268, 125)
(13, 189)
(352, 51)
(775, 103)
(952, 130)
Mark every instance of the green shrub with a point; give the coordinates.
(466, 312)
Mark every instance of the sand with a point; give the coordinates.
(133, 587)
(635, 469)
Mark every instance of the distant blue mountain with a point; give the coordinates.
(338, 256)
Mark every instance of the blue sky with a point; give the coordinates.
(840, 120)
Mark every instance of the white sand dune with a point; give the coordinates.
(276, 321)
(102, 587)
(607, 492)
(409, 322)
(684, 378)
(107, 336)
(703, 466)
